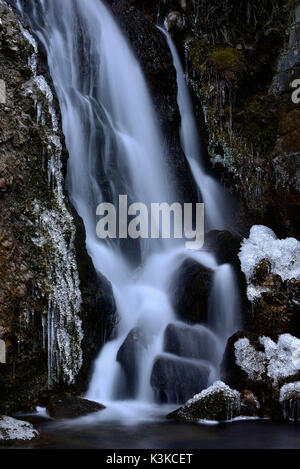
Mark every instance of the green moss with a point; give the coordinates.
(260, 125)
(196, 51)
(227, 59)
(260, 272)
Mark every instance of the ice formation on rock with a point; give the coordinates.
(278, 361)
(217, 386)
(12, 429)
(283, 255)
(290, 401)
(283, 358)
(248, 359)
(56, 235)
(290, 391)
(217, 403)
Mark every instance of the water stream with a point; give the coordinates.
(115, 147)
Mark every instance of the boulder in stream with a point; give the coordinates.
(191, 342)
(218, 402)
(66, 406)
(177, 379)
(128, 357)
(192, 284)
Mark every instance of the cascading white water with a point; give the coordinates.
(224, 313)
(115, 148)
(212, 194)
(225, 306)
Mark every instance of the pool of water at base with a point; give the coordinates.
(156, 432)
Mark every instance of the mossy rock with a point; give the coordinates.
(261, 271)
(219, 402)
(227, 60)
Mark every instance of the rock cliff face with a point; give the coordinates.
(52, 304)
(241, 58)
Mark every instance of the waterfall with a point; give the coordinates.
(115, 147)
(212, 194)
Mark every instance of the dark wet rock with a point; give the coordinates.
(289, 59)
(276, 311)
(218, 402)
(191, 342)
(174, 21)
(249, 404)
(129, 356)
(66, 406)
(225, 245)
(178, 379)
(190, 292)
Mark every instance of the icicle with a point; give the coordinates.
(44, 322)
(57, 227)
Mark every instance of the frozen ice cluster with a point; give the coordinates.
(249, 359)
(283, 255)
(217, 387)
(289, 398)
(12, 429)
(278, 361)
(290, 391)
(62, 325)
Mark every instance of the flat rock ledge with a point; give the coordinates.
(16, 431)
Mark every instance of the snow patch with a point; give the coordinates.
(283, 358)
(283, 255)
(218, 386)
(254, 291)
(278, 361)
(12, 429)
(249, 359)
(290, 391)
